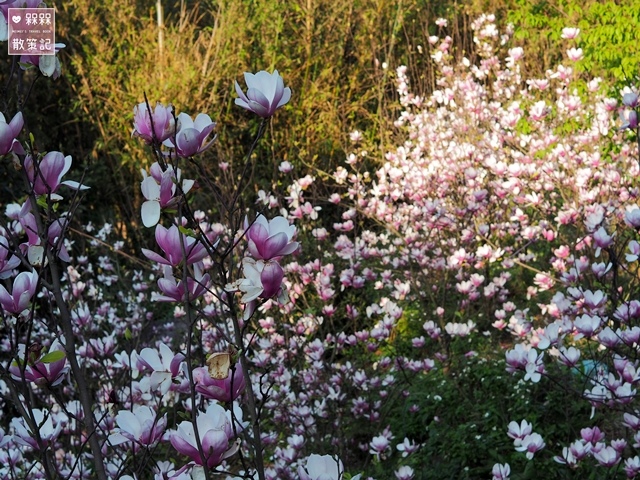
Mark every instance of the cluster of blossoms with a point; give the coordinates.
(482, 188)
(473, 197)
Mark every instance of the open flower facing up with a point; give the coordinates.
(172, 242)
(322, 467)
(161, 117)
(45, 175)
(164, 365)
(191, 135)
(531, 444)
(141, 426)
(265, 93)
(222, 390)
(177, 291)
(42, 370)
(49, 427)
(270, 238)
(216, 433)
(9, 132)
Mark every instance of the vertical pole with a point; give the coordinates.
(160, 37)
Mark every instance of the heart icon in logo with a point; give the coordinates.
(16, 18)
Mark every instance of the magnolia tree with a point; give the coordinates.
(249, 341)
(86, 395)
(510, 211)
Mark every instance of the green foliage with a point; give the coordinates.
(608, 35)
(462, 416)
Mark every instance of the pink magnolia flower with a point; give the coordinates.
(215, 431)
(162, 118)
(191, 135)
(142, 426)
(8, 261)
(40, 370)
(632, 466)
(55, 234)
(49, 427)
(407, 447)
(159, 190)
(220, 390)
(607, 457)
(164, 364)
(404, 473)
(172, 242)
(592, 435)
(24, 287)
(9, 132)
(586, 325)
(261, 280)
(265, 93)
(629, 119)
(379, 445)
(501, 471)
(46, 174)
(630, 98)
(49, 65)
(575, 54)
(322, 467)
(519, 431)
(531, 444)
(569, 33)
(270, 239)
(175, 291)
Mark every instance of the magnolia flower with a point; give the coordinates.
(531, 444)
(48, 430)
(49, 65)
(215, 431)
(161, 117)
(8, 261)
(24, 287)
(41, 370)
(261, 280)
(575, 54)
(519, 431)
(9, 132)
(569, 33)
(164, 364)
(45, 175)
(141, 426)
(629, 119)
(629, 98)
(404, 473)
(222, 390)
(159, 190)
(322, 467)
(172, 242)
(191, 135)
(265, 93)
(175, 290)
(501, 471)
(270, 239)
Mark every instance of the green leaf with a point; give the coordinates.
(187, 231)
(54, 356)
(127, 334)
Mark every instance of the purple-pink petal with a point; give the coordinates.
(271, 278)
